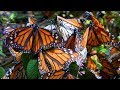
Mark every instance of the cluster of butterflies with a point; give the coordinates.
(56, 46)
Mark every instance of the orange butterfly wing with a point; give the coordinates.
(89, 48)
(84, 38)
(26, 40)
(107, 70)
(116, 64)
(113, 50)
(73, 22)
(42, 38)
(97, 34)
(19, 38)
(70, 44)
(57, 75)
(60, 75)
(18, 72)
(17, 55)
(31, 20)
(72, 41)
(82, 43)
(30, 38)
(52, 60)
(115, 59)
(91, 65)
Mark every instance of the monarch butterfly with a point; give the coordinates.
(77, 42)
(94, 64)
(107, 72)
(54, 59)
(80, 45)
(30, 38)
(108, 18)
(89, 48)
(70, 44)
(116, 63)
(97, 34)
(18, 72)
(66, 27)
(17, 55)
(50, 27)
(73, 22)
(115, 60)
(84, 38)
(113, 50)
(61, 74)
(90, 64)
(31, 20)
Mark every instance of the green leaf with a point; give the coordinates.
(32, 69)
(25, 59)
(1, 35)
(101, 46)
(95, 48)
(13, 16)
(99, 65)
(1, 43)
(103, 51)
(73, 68)
(2, 72)
(87, 22)
(5, 19)
(1, 51)
(101, 21)
(117, 22)
(87, 75)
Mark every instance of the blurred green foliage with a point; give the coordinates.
(1, 48)
(2, 72)
(117, 21)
